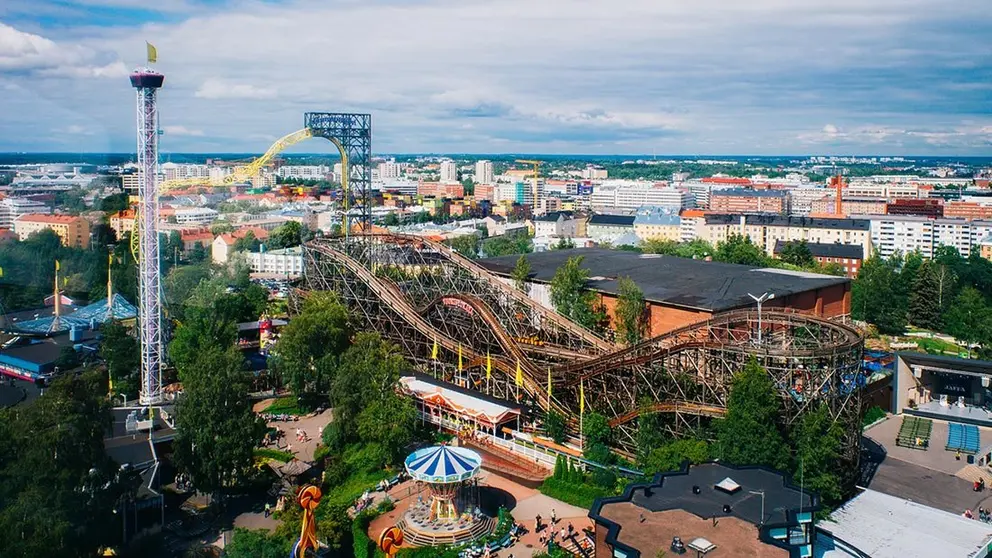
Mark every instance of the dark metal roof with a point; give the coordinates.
(696, 284)
(554, 216)
(788, 221)
(612, 220)
(780, 503)
(823, 250)
(983, 367)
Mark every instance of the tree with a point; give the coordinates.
(466, 245)
(563, 244)
(223, 227)
(877, 298)
(67, 360)
(389, 421)
(391, 220)
(198, 253)
(670, 456)
(103, 235)
(508, 245)
(630, 311)
(216, 427)
(969, 319)
(58, 487)
(521, 274)
(816, 439)
(554, 426)
(797, 253)
(308, 347)
(570, 297)
(247, 243)
(257, 544)
(597, 437)
(366, 377)
(287, 236)
(750, 434)
(120, 351)
(924, 298)
(739, 249)
(114, 203)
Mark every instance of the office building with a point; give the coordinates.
(12, 208)
(287, 263)
(630, 195)
(304, 172)
(195, 216)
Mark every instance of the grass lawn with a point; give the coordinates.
(273, 454)
(938, 346)
(347, 492)
(284, 406)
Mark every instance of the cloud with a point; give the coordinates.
(27, 52)
(182, 131)
(659, 76)
(220, 89)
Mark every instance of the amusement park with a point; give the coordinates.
(399, 397)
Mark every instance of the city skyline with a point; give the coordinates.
(880, 77)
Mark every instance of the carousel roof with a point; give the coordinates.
(443, 464)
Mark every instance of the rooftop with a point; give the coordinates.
(783, 221)
(51, 219)
(962, 365)
(749, 193)
(823, 250)
(761, 497)
(612, 220)
(696, 284)
(884, 526)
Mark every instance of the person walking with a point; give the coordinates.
(554, 516)
(268, 509)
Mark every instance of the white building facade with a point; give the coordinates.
(284, 263)
(484, 172)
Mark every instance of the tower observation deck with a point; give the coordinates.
(147, 82)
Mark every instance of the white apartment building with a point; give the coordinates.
(389, 170)
(217, 174)
(907, 233)
(338, 170)
(402, 186)
(174, 171)
(286, 263)
(12, 208)
(557, 224)
(195, 216)
(801, 199)
(893, 190)
(630, 195)
(594, 173)
(304, 172)
(484, 172)
(766, 230)
(449, 171)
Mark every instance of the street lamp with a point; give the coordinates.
(760, 300)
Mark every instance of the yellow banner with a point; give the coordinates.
(152, 52)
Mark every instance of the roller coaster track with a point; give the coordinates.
(400, 284)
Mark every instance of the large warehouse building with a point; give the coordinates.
(681, 291)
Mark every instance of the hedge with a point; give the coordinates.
(581, 495)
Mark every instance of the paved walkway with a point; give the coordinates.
(311, 424)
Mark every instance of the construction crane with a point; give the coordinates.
(537, 166)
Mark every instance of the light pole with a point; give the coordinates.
(762, 493)
(760, 300)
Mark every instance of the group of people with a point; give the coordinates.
(984, 514)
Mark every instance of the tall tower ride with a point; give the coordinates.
(147, 83)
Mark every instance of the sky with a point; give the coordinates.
(678, 77)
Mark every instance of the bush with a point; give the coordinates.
(581, 495)
(362, 544)
(284, 406)
(873, 414)
(385, 505)
(274, 454)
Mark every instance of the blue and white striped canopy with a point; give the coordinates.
(443, 464)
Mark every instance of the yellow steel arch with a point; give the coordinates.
(244, 173)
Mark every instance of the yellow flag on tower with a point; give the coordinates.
(57, 265)
(582, 397)
(489, 366)
(152, 52)
(549, 381)
(520, 374)
(459, 357)
(434, 350)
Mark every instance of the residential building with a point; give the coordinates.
(521, 193)
(548, 204)
(847, 256)
(906, 233)
(606, 228)
(861, 189)
(287, 262)
(657, 225)
(304, 172)
(484, 192)
(766, 230)
(718, 499)
(592, 172)
(129, 182)
(449, 171)
(968, 209)
(484, 172)
(196, 237)
(195, 216)
(985, 248)
(222, 248)
(801, 199)
(74, 231)
(630, 195)
(11, 208)
(389, 170)
(558, 224)
(440, 190)
(925, 207)
(827, 206)
(174, 171)
(739, 200)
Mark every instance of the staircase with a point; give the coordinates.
(517, 467)
(576, 547)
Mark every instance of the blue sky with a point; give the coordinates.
(505, 76)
